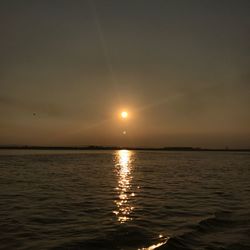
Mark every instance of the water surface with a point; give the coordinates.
(124, 200)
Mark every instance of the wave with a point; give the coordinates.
(217, 232)
(207, 234)
(127, 237)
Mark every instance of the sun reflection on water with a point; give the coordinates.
(123, 169)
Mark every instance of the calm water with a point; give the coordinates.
(124, 200)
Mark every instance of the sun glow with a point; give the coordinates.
(124, 114)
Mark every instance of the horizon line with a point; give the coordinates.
(98, 147)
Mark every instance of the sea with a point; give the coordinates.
(123, 199)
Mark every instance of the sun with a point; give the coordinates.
(124, 114)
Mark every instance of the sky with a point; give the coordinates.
(181, 69)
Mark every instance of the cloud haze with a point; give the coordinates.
(181, 68)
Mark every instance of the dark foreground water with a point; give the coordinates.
(124, 200)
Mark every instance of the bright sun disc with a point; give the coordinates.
(124, 114)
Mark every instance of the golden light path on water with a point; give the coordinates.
(124, 202)
(123, 169)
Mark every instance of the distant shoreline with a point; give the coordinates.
(119, 148)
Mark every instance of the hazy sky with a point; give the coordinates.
(180, 68)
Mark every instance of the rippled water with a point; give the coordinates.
(124, 200)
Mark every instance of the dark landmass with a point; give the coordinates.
(118, 148)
